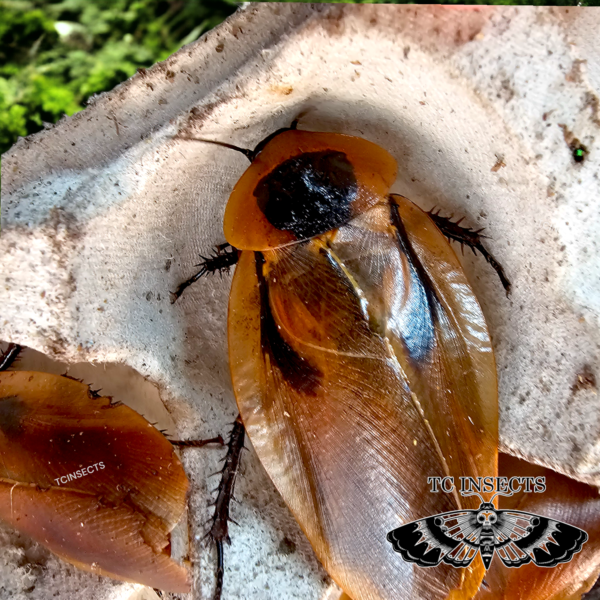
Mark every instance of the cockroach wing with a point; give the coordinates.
(93, 481)
(335, 404)
(422, 303)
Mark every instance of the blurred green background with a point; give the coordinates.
(55, 54)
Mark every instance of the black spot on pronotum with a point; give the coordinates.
(308, 194)
(12, 411)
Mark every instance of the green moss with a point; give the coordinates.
(54, 54)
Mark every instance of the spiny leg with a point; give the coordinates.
(198, 443)
(464, 235)
(223, 258)
(9, 356)
(219, 532)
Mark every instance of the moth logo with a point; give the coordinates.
(517, 537)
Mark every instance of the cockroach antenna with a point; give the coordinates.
(249, 154)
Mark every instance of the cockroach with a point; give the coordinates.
(64, 404)
(360, 358)
(90, 479)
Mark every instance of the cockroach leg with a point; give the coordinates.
(222, 259)
(466, 236)
(219, 532)
(198, 443)
(9, 357)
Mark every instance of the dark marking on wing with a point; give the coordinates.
(302, 377)
(308, 194)
(419, 330)
(12, 411)
(298, 372)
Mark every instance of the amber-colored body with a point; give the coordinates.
(361, 364)
(246, 228)
(92, 481)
